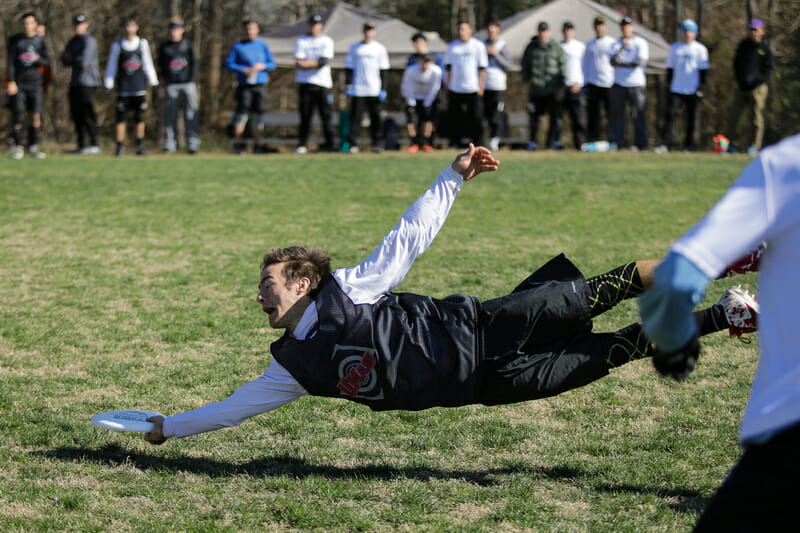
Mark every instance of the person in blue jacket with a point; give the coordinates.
(250, 59)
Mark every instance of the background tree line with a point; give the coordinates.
(214, 25)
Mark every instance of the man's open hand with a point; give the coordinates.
(157, 435)
(473, 161)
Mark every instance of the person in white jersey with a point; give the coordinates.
(599, 77)
(687, 64)
(494, 94)
(574, 97)
(313, 53)
(629, 57)
(761, 492)
(366, 67)
(420, 88)
(465, 63)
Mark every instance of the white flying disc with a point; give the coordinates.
(135, 421)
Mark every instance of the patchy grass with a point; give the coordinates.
(129, 283)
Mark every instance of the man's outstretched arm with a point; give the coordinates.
(388, 264)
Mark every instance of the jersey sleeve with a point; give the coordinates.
(273, 389)
(111, 66)
(386, 267)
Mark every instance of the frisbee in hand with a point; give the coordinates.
(134, 421)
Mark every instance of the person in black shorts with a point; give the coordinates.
(28, 57)
(130, 67)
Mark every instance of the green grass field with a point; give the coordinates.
(130, 283)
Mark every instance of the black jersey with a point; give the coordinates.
(404, 352)
(130, 71)
(25, 57)
(176, 61)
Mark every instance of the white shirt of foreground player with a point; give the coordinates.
(366, 60)
(763, 205)
(686, 61)
(465, 60)
(365, 283)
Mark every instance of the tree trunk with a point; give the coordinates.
(214, 61)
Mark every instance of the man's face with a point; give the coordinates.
(81, 28)
(464, 31)
(689, 36)
(370, 34)
(600, 30)
(176, 34)
(544, 36)
(277, 298)
(421, 46)
(316, 29)
(131, 28)
(569, 34)
(627, 30)
(252, 31)
(494, 31)
(29, 26)
(757, 34)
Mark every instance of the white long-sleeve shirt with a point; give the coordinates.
(597, 68)
(763, 205)
(421, 84)
(130, 46)
(365, 283)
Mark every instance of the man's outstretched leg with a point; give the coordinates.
(624, 282)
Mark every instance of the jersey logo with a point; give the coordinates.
(358, 377)
(28, 57)
(178, 64)
(132, 64)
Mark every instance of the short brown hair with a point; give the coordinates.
(301, 262)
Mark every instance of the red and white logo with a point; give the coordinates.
(132, 64)
(178, 64)
(358, 377)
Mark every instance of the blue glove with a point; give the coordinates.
(666, 309)
(349, 91)
(382, 96)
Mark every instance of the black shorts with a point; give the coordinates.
(27, 99)
(251, 99)
(538, 340)
(137, 104)
(422, 112)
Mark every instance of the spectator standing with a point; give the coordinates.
(494, 94)
(629, 56)
(421, 50)
(28, 56)
(130, 68)
(598, 77)
(177, 66)
(420, 88)
(465, 63)
(251, 60)
(574, 98)
(544, 68)
(687, 64)
(752, 66)
(81, 55)
(367, 65)
(313, 53)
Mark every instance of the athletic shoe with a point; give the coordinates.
(741, 310)
(377, 150)
(661, 149)
(16, 152)
(301, 150)
(78, 151)
(33, 151)
(91, 150)
(353, 149)
(558, 145)
(633, 149)
(120, 151)
(413, 149)
(140, 150)
(494, 144)
(192, 150)
(532, 146)
(427, 148)
(752, 151)
(238, 149)
(749, 263)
